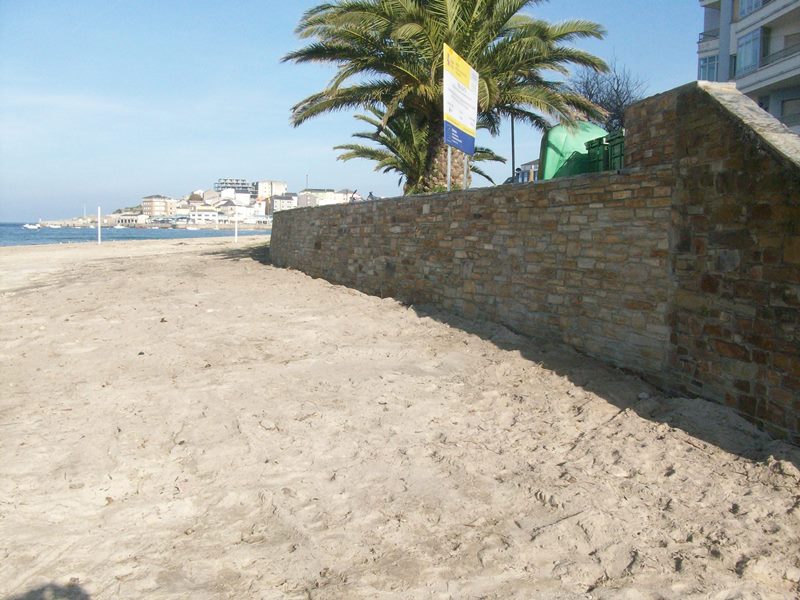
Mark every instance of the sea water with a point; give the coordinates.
(13, 234)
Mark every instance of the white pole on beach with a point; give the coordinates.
(98, 225)
(236, 230)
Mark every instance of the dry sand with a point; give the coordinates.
(179, 420)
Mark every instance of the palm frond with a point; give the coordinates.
(387, 56)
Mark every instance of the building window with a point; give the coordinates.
(790, 112)
(748, 52)
(748, 6)
(707, 70)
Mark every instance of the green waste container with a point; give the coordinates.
(563, 150)
(598, 155)
(576, 163)
(616, 149)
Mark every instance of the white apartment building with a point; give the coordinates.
(240, 198)
(235, 211)
(203, 214)
(260, 208)
(325, 197)
(345, 196)
(756, 44)
(129, 219)
(284, 202)
(315, 197)
(217, 197)
(267, 188)
(159, 206)
(240, 185)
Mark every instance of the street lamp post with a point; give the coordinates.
(513, 154)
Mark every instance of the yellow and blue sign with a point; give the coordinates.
(460, 102)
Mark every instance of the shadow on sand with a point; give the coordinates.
(622, 388)
(258, 253)
(617, 386)
(53, 591)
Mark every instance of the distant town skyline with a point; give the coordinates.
(103, 103)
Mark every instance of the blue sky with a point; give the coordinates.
(103, 102)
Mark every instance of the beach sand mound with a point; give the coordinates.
(179, 420)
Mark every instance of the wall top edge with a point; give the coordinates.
(775, 135)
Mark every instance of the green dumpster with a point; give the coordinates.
(563, 152)
(598, 155)
(616, 150)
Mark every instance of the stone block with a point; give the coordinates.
(728, 260)
(731, 350)
(791, 250)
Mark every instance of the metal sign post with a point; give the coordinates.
(449, 165)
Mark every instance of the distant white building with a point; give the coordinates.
(284, 202)
(345, 196)
(215, 198)
(267, 188)
(325, 197)
(241, 186)
(203, 214)
(129, 219)
(235, 211)
(260, 207)
(212, 197)
(242, 199)
(315, 197)
(258, 220)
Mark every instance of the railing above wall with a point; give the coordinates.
(711, 34)
(779, 55)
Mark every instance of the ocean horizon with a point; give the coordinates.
(14, 234)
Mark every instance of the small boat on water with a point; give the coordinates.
(53, 226)
(120, 227)
(31, 226)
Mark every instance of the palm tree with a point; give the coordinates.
(389, 55)
(403, 148)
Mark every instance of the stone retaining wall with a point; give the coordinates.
(683, 267)
(736, 259)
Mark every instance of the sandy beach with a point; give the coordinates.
(179, 419)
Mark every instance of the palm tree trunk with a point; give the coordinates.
(436, 178)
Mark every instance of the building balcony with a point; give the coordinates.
(709, 47)
(780, 55)
(711, 34)
(765, 15)
(777, 69)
